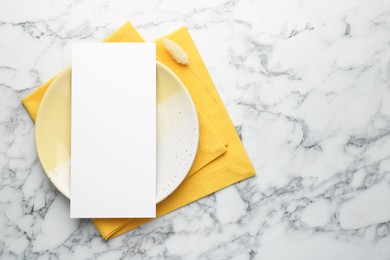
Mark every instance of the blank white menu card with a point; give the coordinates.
(113, 132)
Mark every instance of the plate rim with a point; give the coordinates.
(39, 112)
(196, 118)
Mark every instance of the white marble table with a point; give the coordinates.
(307, 84)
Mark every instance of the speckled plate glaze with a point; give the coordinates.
(177, 132)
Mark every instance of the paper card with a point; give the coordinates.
(113, 135)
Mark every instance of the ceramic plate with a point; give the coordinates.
(177, 132)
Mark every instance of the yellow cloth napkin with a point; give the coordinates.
(221, 159)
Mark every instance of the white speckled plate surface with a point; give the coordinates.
(177, 132)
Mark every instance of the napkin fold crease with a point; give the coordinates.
(220, 160)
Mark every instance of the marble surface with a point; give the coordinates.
(307, 84)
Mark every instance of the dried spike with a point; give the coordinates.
(176, 51)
